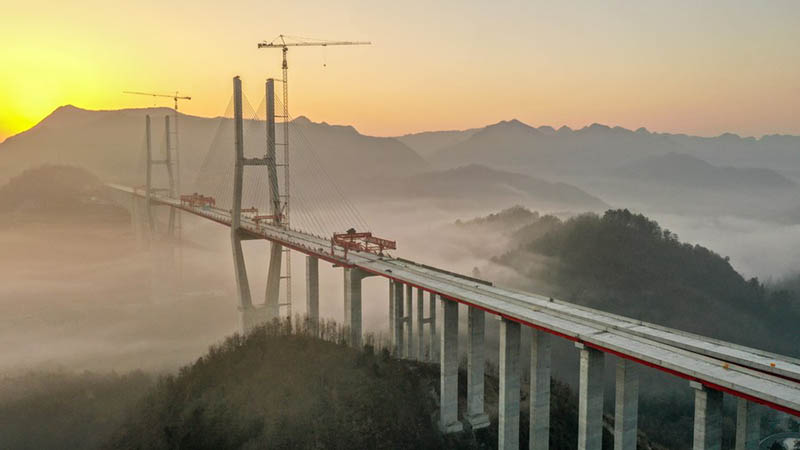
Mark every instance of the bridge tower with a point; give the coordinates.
(251, 315)
(168, 163)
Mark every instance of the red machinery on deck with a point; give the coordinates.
(362, 242)
(197, 200)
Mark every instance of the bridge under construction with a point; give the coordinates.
(712, 368)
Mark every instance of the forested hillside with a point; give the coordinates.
(627, 264)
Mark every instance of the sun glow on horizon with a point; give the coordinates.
(697, 69)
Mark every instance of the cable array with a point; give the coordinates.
(318, 204)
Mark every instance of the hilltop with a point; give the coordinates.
(57, 193)
(627, 264)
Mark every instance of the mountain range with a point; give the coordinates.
(596, 147)
(507, 159)
(680, 169)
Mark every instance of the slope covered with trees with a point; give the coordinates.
(627, 264)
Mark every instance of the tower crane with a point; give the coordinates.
(281, 43)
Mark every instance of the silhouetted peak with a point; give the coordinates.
(597, 127)
(66, 109)
(642, 130)
(302, 120)
(511, 125)
(305, 121)
(547, 129)
(730, 136)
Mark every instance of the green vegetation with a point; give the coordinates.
(627, 264)
(277, 387)
(62, 410)
(57, 193)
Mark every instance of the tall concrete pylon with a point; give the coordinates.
(252, 315)
(246, 310)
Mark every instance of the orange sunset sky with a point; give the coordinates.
(680, 66)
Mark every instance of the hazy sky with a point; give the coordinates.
(696, 67)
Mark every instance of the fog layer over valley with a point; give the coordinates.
(81, 292)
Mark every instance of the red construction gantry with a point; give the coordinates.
(197, 200)
(362, 242)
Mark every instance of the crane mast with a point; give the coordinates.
(281, 43)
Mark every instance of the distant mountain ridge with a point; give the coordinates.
(685, 170)
(474, 183)
(111, 144)
(512, 143)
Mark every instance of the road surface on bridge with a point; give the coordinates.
(762, 377)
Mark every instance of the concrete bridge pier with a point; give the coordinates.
(408, 349)
(707, 417)
(312, 293)
(448, 369)
(509, 397)
(391, 314)
(420, 321)
(590, 398)
(397, 317)
(433, 354)
(626, 405)
(476, 361)
(352, 303)
(138, 211)
(539, 399)
(748, 425)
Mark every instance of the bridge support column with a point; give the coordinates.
(539, 399)
(397, 299)
(391, 315)
(246, 310)
(352, 303)
(748, 425)
(707, 417)
(271, 297)
(448, 369)
(408, 350)
(626, 405)
(420, 323)
(476, 361)
(433, 353)
(508, 408)
(138, 221)
(312, 293)
(590, 399)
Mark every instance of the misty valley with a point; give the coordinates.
(109, 340)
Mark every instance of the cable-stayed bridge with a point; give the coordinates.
(253, 203)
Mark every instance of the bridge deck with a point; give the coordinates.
(762, 377)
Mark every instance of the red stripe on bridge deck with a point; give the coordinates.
(607, 350)
(676, 373)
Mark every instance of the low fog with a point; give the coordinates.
(81, 292)
(89, 296)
